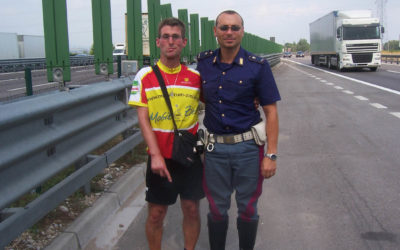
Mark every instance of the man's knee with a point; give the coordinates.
(156, 214)
(190, 209)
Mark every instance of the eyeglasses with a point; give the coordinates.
(227, 27)
(174, 37)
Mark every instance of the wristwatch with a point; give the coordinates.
(273, 157)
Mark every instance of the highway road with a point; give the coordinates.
(12, 85)
(338, 181)
(387, 76)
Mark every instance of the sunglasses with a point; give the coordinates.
(227, 27)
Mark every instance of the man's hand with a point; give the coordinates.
(256, 103)
(159, 167)
(268, 167)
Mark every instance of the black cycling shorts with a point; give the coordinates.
(186, 182)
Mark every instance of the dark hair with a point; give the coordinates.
(229, 12)
(172, 21)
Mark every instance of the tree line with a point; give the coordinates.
(301, 45)
(392, 45)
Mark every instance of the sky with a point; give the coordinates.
(286, 20)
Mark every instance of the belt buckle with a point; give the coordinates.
(229, 139)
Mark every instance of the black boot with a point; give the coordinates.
(217, 233)
(247, 233)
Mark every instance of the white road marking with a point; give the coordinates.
(397, 114)
(14, 79)
(391, 71)
(348, 92)
(323, 81)
(361, 98)
(352, 79)
(378, 106)
(39, 85)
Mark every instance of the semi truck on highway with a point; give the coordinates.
(14, 46)
(346, 40)
(119, 49)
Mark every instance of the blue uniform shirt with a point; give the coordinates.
(229, 90)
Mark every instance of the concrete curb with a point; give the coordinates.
(84, 230)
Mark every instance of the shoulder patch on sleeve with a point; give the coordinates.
(205, 54)
(257, 59)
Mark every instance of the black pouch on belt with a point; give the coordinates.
(183, 150)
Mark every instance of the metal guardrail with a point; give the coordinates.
(15, 65)
(273, 59)
(43, 135)
(391, 59)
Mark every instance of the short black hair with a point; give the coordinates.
(229, 12)
(172, 21)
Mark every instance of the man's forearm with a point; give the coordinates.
(147, 131)
(272, 127)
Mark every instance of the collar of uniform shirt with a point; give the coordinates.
(239, 59)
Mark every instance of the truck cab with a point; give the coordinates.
(346, 40)
(359, 43)
(119, 49)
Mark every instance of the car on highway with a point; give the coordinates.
(81, 55)
(287, 54)
(300, 54)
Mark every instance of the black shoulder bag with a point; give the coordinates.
(183, 150)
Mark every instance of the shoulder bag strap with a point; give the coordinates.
(164, 91)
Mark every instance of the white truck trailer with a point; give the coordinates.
(31, 46)
(9, 46)
(14, 46)
(346, 40)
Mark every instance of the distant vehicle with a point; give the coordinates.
(346, 40)
(81, 55)
(287, 54)
(119, 49)
(300, 54)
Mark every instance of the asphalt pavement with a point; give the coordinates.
(337, 183)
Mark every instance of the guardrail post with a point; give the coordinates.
(28, 81)
(119, 66)
(56, 40)
(80, 163)
(183, 16)
(194, 36)
(212, 40)
(101, 13)
(204, 33)
(135, 33)
(154, 10)
(166, 11)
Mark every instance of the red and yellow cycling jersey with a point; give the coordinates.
(183, 86)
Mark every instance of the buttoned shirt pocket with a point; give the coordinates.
(210, 88)
(239, 90)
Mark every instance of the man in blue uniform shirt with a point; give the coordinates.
(232, 78)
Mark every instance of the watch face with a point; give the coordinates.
(273, 157)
